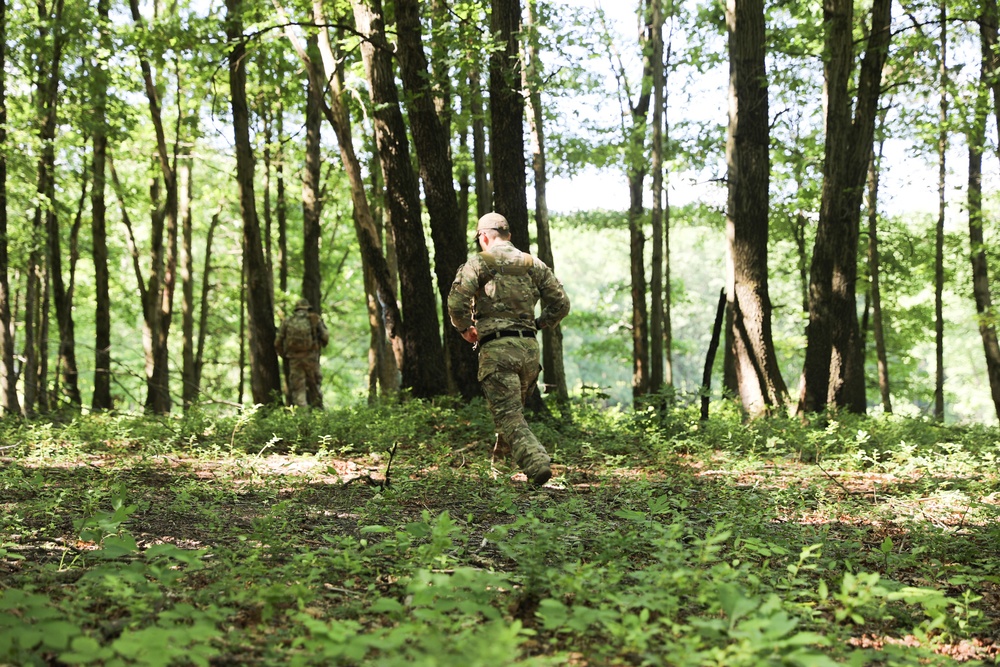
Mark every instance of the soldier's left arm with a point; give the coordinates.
(322, 334)
(555, 301)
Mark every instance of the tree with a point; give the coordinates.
(101, 399)
(507, 120)
(833, 369)
(657, 362)
(942, 207)
(159, 293)
(431, 141)
(265, 377)
(985, 309)
(875, 277)
(761, 387)
(8, 377)
(552, 347)
(423, 366)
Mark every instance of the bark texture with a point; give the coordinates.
(833, 372)
(761, 387)
(423, 365)
(265, 376)
(431, 141)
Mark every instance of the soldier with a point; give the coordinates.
(492, 304)
(299, 341)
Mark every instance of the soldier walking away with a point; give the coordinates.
(492, 304)
(300, 338)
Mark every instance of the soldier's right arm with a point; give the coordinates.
(462, 296)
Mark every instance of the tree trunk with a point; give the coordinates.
(160, 289)
(874, 270)
(939, 231)
(761, 387)
(656, 362)
(713, 347)
(265, 377)
(833, 370)
(8, 377)
(636, 169)
(423, 360)
(206, 286)
(552, 347)
(312, 207)
(431, 141)
(101, 399)
(44, 220)
(480, 161)
(977, 138)
(189, 383)
(281, 210)
(507, 121)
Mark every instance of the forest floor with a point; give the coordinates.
(266, 539)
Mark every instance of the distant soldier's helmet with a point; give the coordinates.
(303, 304)
(493, 221)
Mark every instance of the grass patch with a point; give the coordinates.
(271, 537)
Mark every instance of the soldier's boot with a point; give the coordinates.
(535, 463)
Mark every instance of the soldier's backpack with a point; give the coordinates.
(299, 335)
(509, 288)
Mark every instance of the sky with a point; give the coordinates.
(909, 183)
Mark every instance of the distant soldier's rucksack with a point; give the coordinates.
(299, 335)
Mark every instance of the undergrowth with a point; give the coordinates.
(273, 537)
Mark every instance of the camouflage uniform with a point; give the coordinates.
(303, 363)
(496, 291)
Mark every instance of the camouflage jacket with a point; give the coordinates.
(320, 337)
(498, 290)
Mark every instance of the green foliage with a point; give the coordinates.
(663, 539)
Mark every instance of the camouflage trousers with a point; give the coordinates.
(508, 371)
(304, 381)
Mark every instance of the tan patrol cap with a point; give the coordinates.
(303, 304)
(493, 221)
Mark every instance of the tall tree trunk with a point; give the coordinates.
(206, 286)
(265, 377)
(431, 141)
(833, 370)
(552, 347)
(939, 231)
(101, 399)
(423, 360)
(874, 270)
(8, 377)
(480, 161)
(189, 383)
(507, 121)
(656, 361)
(977, 139)
(47, 98)
(62, 299)
(280, 205)
(761, 387)
(312, 207)
(160, 290)
(636, 169)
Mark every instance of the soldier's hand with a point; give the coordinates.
(470, 335)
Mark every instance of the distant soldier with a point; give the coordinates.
(300, 338)
(492, 304)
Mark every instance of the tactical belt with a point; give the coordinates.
(506, 333)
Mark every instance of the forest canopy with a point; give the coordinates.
(177, 175)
